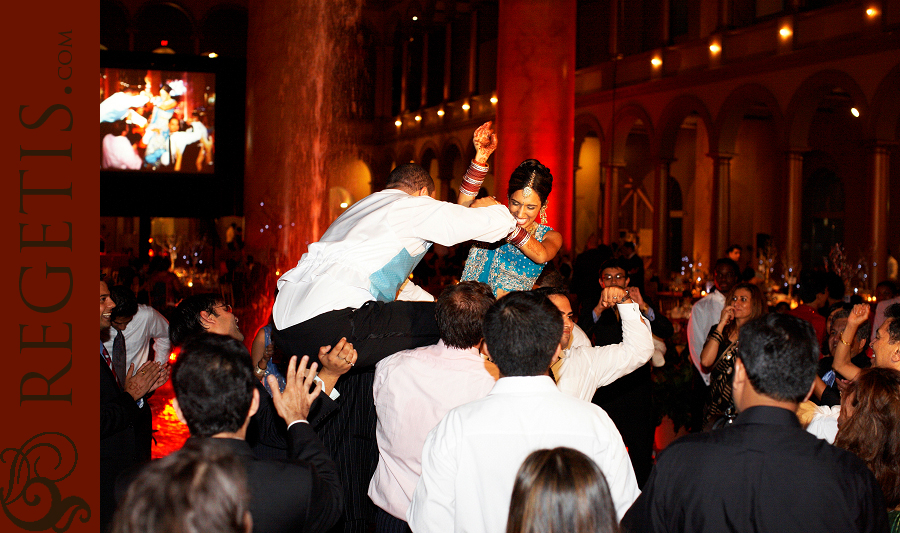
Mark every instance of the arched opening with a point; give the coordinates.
(430, 163)
(834, 182)
(587, 191)
(823, 209)
(351, 181)
(675, 237)
(113, 25)
(452, 170)
(635, 207)
(224, 31)
(161, 22)
(692, 171)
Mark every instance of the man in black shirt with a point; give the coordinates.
(628, 401)
(764, 472)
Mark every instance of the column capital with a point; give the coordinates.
(878, 144)
(720, 156)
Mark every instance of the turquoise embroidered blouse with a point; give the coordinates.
(503, 267)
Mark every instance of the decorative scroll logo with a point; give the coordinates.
(32, 500)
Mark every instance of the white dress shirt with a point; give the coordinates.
(147, 324)
(824, 423)
(704, 315)
(369, 251)
(584, 368)
(116, 106)
(119, 154)
(413, 391)
(470, 460)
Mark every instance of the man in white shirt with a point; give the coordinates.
(117, 151)
(705, 313)
(581, 368)
(470, 460)
(347, 284)
(138, 324)
(116, 107)
(414, 389)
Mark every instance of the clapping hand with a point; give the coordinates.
(140, 383)
(293, 404)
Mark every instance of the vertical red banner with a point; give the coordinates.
(48, 235)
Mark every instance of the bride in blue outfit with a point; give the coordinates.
(513, 265)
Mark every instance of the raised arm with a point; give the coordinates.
(842, 363)
(485, 141)
(716, 338)
(586, 368)
(293, 406)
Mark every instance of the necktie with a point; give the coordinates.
(171, 161)
(118, 355)
(105, 355)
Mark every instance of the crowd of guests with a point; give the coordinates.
(473, 434)
(366, 404)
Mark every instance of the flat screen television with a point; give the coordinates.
(171, 140)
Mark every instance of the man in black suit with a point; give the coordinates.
(628, 401)
(122, 407)
(764, 472)
(216, 394)
(200, 314)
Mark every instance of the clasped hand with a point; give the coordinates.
(148, 378)
(613, 295)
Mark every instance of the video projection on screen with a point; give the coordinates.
(157, 121)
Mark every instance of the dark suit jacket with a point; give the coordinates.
(120, 448)
(267, 433)
(303, 495)
(763, 473)
(628, 400)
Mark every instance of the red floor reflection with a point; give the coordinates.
(168, 433)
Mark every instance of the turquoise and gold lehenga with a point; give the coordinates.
(504, 267)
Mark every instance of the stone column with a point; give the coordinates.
(536, 92)
(404, 76)
(610, 208)
(793, 207)
(722, 202)
(448, 57)
(879, 176)
(662, 217)
(473, 53)
(423, 96)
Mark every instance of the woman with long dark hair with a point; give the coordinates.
(513, 265)
(743, 303)
(869, 426)
(561, 490)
